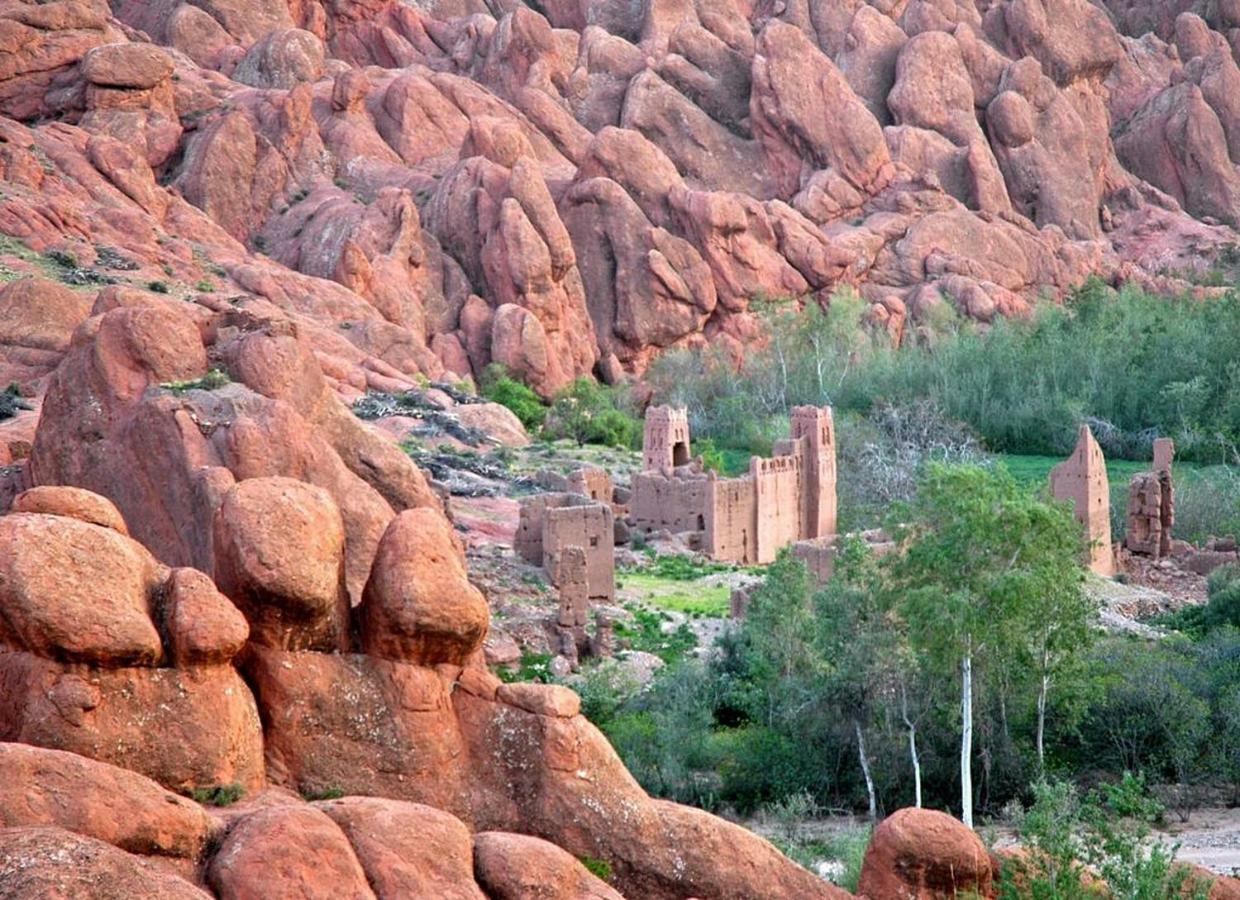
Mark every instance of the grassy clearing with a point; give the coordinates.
(689, 597)
(1037, 469)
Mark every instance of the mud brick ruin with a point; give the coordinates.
(571, 577)
(1151, 505)
(787, 498)
(550, 523)
(1082, 478)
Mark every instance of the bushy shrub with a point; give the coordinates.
(499, 387)
(218, 795)
(592, 413)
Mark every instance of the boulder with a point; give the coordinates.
(282, 59)
(519, 867)
(37, 318)
(923, 854)
(287, 852)
(74, 503)
(407, 849)
(134, 66)
(40, 862)
(279, 556)
(96, 800)
(184, 728)
(76, 592)
(419, 606)
(202, 625)
(806, 116)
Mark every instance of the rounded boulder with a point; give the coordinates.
(279, 556)
(923, 854)
(418, 605)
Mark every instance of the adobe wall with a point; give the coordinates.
(547, 523)
(777, 504)
(590, 527)
(788, 497)
(1082, 479)
(814, 429)
(677, 504)
(730, 524)
(572, 578)
(665, 439)
(592, 482)
(1151, 505)
(818, 554)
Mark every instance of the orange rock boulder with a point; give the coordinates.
(923, 854)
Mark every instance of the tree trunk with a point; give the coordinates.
(1043, 688)
(865, 769)
(966, 738)
(912, 747)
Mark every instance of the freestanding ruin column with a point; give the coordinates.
(1151, 505)
(1082, 478)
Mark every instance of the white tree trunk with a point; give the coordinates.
(865, 769)
(1043, 688)
(912, 747)
(966, 738)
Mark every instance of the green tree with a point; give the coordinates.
(977, 557)
(590, 413)
(854, 634)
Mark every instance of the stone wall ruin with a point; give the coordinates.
(1082, 479)
(1151, 505)
(549, 523)
(785, 498)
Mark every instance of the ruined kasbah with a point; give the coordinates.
(783, 499)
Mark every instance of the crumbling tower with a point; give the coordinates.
(817, 427)
(1151, 505)
(665, 443)
(1082, 478)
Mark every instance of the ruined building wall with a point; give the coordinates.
(677, 504)
(665, 439)
(1082, 479)
(730, 522)
(590, 527)
(1151, 505)
(547, 523)
(777, 504)
(814, 427)
(818, 554)
(592, 482)
(789, 497)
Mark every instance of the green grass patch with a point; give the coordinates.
(599, 868)
(216, 378)
(533, 667)
(645, 633)
(679, 595)
(1037, 469)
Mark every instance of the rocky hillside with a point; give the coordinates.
(216, 582)
(566, 187)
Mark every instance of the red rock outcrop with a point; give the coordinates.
(259, 211)
(924, 854)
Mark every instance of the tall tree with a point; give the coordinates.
(854, 636)
(977, 556)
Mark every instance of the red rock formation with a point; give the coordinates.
(297, 202)
(923, 854)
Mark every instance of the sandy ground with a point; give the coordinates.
(1211, 838)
